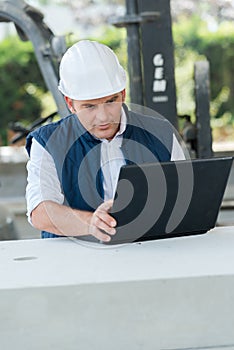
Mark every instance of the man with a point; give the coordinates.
(74, 163)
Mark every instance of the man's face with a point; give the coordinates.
(101, 116)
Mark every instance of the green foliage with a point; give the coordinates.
(193, 39)
(20, 84)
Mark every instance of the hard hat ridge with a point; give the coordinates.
(90, 70)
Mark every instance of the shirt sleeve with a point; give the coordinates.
(42, 181)
(177, 150)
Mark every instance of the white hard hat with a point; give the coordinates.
(90, 70)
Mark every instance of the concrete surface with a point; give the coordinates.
(13, 181)
(166, 294)
(16, 206)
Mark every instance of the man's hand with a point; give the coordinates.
(65, 221)
(102, 224)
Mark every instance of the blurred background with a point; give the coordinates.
(202, 30)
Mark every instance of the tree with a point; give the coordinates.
(194, 41)
(208, 10)
(20, 84)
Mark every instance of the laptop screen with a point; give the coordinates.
(162, 200)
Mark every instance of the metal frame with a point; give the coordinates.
(149, 36)
(202, 98)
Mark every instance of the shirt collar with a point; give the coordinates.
(122, 126)
(123, 123)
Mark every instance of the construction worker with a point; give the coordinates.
(74, 163)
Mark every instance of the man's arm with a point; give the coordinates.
(45, 208)
(62, 220)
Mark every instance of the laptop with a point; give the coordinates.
(171, 199)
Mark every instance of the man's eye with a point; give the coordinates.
(89, 107)
(111, 101)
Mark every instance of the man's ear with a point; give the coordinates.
(123, 92)
(69, 103)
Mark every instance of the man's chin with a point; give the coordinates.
(107, 133)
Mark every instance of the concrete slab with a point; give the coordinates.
(226, 217)
(16, 206)
(202, 255)
(166, 294)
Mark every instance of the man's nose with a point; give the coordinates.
(102, 114)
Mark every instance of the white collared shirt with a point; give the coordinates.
(112, 159)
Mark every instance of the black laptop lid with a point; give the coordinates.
(162, 200)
